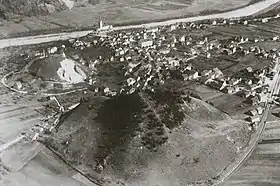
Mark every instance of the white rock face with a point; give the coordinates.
(70, 72)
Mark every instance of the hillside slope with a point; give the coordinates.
(138, 140)
(29, 7)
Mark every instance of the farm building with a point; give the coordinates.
(254, 119)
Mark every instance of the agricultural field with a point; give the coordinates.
(44, 169)
(247, 61)
(26, 162)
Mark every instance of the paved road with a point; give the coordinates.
(245, 11)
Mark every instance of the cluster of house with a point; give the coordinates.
(254, 117)
(151, 55)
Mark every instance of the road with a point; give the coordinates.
(4, 79)
(245, 11)
(275, 85)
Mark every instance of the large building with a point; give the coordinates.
(145, 42)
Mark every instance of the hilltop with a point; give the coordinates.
(122, 139)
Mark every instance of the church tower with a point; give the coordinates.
(100, 22)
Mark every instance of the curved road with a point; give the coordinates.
(245, 11)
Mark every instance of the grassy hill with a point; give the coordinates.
(140, 140)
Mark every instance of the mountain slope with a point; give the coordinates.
(30, 7)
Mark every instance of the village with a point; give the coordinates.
(151, 57)
(110, 64)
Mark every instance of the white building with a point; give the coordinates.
(103, 28)
(145, 42)
(259, 110)
(254, 119)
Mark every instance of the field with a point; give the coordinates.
(25, 163)
(87, 15)
(222, 62)
(230, 104)
(252, 30)
(43, 170)
(247, 61)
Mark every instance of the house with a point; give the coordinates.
(208, 81)
(249, 69)
(226, 51)
(186, 77)
(260, 110)
(263, 97)
(249, 82)
(183, 39)
(254, 87)
(247, 94)
(130, 81)
(253, 112)
(145, 43)
(230, 90)
(172, 27)
(36, 136)
(253, 100)
(254, 119)
(223, 85)
(237, 89)
(190, 75)
(217, 72)
(189, 67)
(194, 75)
(253, 92)
(52, 50)
(18, 85)
(164, 50)
(235, 81)
(206, 72)
(219, 85)
(153, 30)
(264, 20)
(275, 38)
